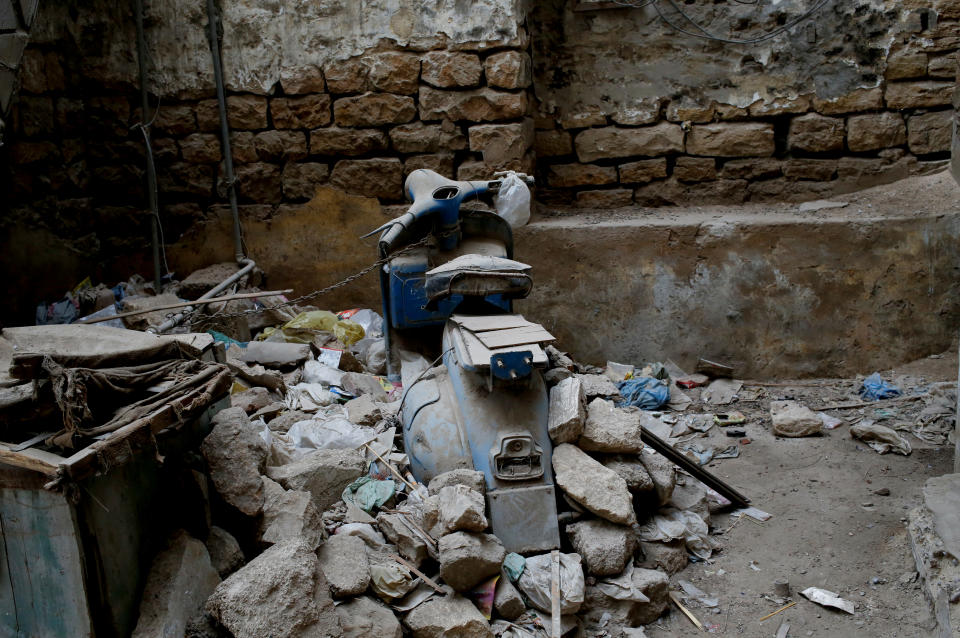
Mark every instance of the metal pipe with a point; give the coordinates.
(151, 168)
(248, 265)
(224, 129)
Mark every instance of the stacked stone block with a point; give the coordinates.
(669, 151)
(360, 124)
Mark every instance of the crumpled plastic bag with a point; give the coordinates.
(535, 582)
(622, 587)
(369, 494)
(334, 433)
(672, 524)
(646, 393)
(874, 388)
(938, 418)
(308, 397)
(391, 580)
(371, 351)
(881, 438)
(512, 201)
(316, 372)
(370, 321)
(303, 328)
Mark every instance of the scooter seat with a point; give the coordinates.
(478, 276)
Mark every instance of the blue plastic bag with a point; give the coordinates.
(875, 388)
(645, 393)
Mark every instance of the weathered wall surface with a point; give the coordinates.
(776, 293)
(354, 94)
(16, 19)
(631, 110)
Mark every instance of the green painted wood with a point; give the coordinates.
(43, 565)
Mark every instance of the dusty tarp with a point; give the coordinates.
(94, 402)
(90, 346)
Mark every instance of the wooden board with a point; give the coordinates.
(37, 460)
(491, 322)
(514, 336)
(479, 355)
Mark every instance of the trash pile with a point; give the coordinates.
(315, 524)
(309, 466)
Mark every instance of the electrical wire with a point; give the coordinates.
(406, 390)
(703, 33)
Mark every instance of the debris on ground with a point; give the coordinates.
(311, 498)
(880, 438)
(827, 598)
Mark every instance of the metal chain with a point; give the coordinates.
(317, 293)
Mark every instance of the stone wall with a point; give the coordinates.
(354, 95)
(631, 111)
(16, 18)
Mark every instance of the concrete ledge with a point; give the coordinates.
(934, 527)
(777, 290)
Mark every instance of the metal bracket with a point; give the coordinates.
(510, 368)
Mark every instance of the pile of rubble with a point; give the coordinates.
(309, 477)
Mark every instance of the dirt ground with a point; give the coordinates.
(830, 528)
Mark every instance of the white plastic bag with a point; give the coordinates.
(535, 582)
(308, 397)
(622, 587)
(316, 372)
(680, 524)
(329, 434)
(513, 200)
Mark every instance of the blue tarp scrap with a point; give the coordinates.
(645, 393)
(874, 388)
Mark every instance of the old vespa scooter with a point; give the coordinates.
(485, 407)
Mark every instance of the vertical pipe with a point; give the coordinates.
(151, 168)
(224, 129)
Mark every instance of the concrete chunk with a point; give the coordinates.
(180, 580)
(604, 547)
(324, 473)
(471, 478)
(792, 419)
(289, 514)
(597, 385)
(225, 553)
(343, 559)
(610, 429)
(362, 410)
(631, 470)
(410, 545)
(281, 593)
(447, 617)
(364, 617)
(586, 481)
(662, 472)
(567, 411)
(236, 457)
(507, 600)
(468, 559)
(670, 557)
(462, 508)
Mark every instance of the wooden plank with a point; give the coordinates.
(491, 322)
(35, 460)
(45, 564)
(186, 304)
(479, 354)
(555, 594)
(689, 466)
(514, 337)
